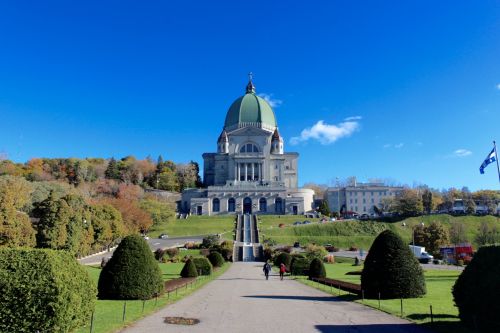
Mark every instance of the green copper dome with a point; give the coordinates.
(250, 110)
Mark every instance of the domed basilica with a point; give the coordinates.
(250, 172)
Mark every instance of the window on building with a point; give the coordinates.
(231, 205)
(263, 204)
(373, 201)
(364, 209)
(364, 200)
(249, 148)
(355, 200)
(216, 205)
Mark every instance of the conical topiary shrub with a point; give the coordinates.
(477, 290)
(189, 269)
(216, 259)
(131, 273)
(391, 269)
(317, 269)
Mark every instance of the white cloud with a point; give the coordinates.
(325, 133)
(396, 145)
(273, 102)
(353, 118)
(462, 152)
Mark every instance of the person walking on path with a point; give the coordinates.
(282, 270)
(266, 270)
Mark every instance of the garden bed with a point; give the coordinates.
(352, 288)
(173, 284)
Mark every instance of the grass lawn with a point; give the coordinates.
(201, 225)
(361, 234)
(439, 284)
(108, 315)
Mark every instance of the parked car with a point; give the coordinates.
(306, 222)
(163, 236)
(297, 223)
(296, 244)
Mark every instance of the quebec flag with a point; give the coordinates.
(489, 159)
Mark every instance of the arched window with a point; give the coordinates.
(231, 205)
(278, 205)
(215, 205)
(249, 148)
(263, 205)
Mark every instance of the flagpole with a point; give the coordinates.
(496, 158)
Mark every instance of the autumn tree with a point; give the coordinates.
(408, 203)
(15, 226)
(107, 224)
(432, 237)
(134, 218)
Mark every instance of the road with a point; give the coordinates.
(241, 300)
(153, 243)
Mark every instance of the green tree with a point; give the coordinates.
(487, 235)
(112, 171)
(470, 206)
(427, 201)
(317, 269)
(457, 233)
(160, 212)
(52, 226)
(323, 208)
(15, 225)
(477, 290)
(131, 273)
(391, 269)
(107, 224)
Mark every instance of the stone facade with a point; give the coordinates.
(250, 172)
(359, 197)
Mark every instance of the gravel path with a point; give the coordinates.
(241, 300)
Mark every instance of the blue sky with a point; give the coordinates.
(418, 81)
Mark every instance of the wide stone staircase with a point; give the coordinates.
(247, 246)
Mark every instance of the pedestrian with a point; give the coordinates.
(267, 269)
(282, 270)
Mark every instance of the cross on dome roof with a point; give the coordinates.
(250, 87)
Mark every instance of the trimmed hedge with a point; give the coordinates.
(391, 269)
(317, 269)
(300, 266)
(284, 258)
(131, 273)
(203, 265)
(189, 269)
(477, 291)
(216, 259)
(43, 290)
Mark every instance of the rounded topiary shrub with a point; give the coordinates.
(300, 266)
(131, 273)
(43, 290)
(216, 259)
(189, 269)
(203, 265)
(477, 291)
(284, 258)
(317, 269)
(391, 269)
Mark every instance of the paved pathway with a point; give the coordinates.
(154, 243)
(241, 300)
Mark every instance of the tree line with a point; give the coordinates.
(163, 175)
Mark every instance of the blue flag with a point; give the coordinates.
(489, 159)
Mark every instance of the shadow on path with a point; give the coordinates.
(298, 298)
(371, 328)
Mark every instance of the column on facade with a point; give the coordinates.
(246, 171)
(236, 171)
(253, 171)
(239, 170)
(261, 173)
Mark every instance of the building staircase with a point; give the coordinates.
(247, 246)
